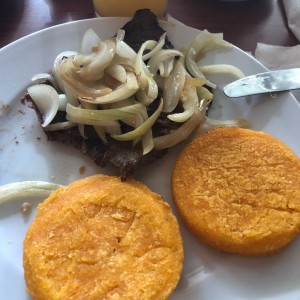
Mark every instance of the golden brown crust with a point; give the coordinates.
(100, 238)
(238, 190)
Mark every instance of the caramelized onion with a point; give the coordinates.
(203, 43)
(161, 56)
(104, 117)
(142, 129)
(118, 72)
(180, 134)
(189, 99)
(84, 89)
(157, 47)
(94, 70)
(173, 86)
(124, 91)
(56, 67)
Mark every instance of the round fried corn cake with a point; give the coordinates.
(101, 238)
(238, 190)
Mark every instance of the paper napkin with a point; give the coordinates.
(292, 10)
(278, 57)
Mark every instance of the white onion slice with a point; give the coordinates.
(71, 94)
(60, 126)
(166, 66)
(204, 93)
(145, 78)
(94, 70)
(222, 69)
(152, 91)
(147, 138)
(62, 102)
(210, 123)
(123, 49)
(122, 92)
(118, 72)
(148, 96)
(81, 60)
(46, 99)
(106, 117)
(147, 142)
(41, 77)
(180, 134)
(189, 99)
(204, 42)
(161, 56)
(141, 70)
(89, 40)
(120, 35)
(56, 67)
(100, 132)
(157, 47)
(142, 129)
(27, 189)
(81, 130)
(80, 87)
(102, 115)
(116, 129)
(173, 86)
(127, 63)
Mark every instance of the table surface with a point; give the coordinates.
(243, 23)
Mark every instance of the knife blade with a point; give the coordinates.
(273, 81)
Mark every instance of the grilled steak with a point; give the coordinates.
(144, 26)
(126, 158)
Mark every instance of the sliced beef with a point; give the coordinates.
(121, 154)
(143, 26)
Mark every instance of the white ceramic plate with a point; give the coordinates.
(26, 155)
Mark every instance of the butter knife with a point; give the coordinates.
(273, 81)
